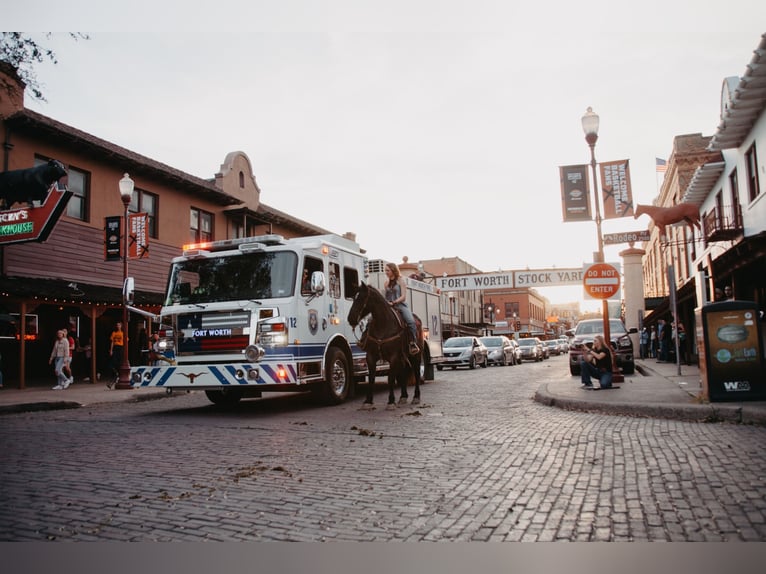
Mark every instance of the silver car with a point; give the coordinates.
(531, 349)
(463, 352)
(500, 350)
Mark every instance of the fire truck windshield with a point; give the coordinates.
(232, 278)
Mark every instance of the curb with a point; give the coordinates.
(61, 405)
(705, 413)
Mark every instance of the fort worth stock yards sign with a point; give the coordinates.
(528, 278)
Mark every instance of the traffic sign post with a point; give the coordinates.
(601, 280)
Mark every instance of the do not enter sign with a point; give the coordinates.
(601, 280)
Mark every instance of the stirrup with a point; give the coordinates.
(414, 349)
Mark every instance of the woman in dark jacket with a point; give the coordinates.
(597, 363)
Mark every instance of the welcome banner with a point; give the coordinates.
(615, 189)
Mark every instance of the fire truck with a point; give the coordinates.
(249, 315)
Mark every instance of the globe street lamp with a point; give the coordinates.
(126, 194)
(590, 126)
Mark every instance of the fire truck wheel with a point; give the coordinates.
(337, 377)
(225, 397)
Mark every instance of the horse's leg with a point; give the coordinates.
(416, 371)
(371, 364)
(394, 368)
(404, 380)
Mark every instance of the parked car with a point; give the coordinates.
(531, 349)
(622, 346)
(564, 344)
(463, 352)
(554, 346)
(545, 350)
(500, 350)
(516, 351)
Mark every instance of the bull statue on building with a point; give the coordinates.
(30, 184)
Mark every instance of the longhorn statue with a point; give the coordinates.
(664, 216)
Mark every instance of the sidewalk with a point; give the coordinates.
(655, 390)
(38, 395)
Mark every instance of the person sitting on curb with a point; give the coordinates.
(596, 363)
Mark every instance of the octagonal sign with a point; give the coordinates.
(601, 280)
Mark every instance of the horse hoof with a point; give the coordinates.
(366, 407)
(402, 400)
(391, 407)
(415, 401)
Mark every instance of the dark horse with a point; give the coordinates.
(386, 338)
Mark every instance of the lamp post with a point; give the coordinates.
(126, 194)
(590, 126)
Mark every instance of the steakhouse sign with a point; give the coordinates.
(33, 223)
(511, 279)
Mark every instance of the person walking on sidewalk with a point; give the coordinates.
(653, 344)
(644, 343)
(116, 346)
(597, 363)
(59, 354)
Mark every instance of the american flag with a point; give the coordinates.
(662, 165)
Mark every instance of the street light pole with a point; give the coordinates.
(126, 194)
(590, 123)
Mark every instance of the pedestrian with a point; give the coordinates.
(596, 363)
(653, 344)
(665, 334)
(68, 361)
(116, 346)
(719, 296)
(683, 353)
(59, 353)
(644, 342)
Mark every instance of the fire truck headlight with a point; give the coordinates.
(254, 353)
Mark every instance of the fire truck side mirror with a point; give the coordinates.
(317, 283)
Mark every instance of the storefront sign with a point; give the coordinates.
(33, 223)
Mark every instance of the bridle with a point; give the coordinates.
(370, 338)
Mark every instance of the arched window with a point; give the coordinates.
(241, 180)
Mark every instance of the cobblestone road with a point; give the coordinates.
(479, 460)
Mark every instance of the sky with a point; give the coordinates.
(429, 128)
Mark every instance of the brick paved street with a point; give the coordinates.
(479, 460)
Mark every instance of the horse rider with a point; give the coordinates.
(396, 295)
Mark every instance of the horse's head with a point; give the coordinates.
(359, 306)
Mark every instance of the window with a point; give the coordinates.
(350, 282)
(145, 202)
(78, 183)
(310, 265)
(751, 165)
(201, 226)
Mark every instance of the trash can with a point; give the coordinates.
(732, 364)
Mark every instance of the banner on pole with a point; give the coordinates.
(615, 189)
(575, 193)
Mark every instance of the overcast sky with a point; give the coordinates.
(429, 128)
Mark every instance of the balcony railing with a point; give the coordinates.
(722, 225)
